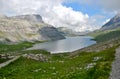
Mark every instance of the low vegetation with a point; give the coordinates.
(103, 36)
(62, 66)
(14, 48)
(108, 36)
(3, 60)
(83, 65)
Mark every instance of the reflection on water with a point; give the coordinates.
(66, 45)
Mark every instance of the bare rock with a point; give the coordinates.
(38, 57)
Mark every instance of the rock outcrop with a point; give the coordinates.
(26, 28)
(38, 57)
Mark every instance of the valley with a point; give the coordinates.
(80, 64)
(93, 61)
(63, 66)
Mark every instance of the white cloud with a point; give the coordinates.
(52, 11)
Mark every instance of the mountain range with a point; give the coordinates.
(33, 28)
(27, 28)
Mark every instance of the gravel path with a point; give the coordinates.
(8, 62)
(115, 73)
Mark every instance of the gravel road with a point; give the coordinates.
(115, 73)
(8, 62)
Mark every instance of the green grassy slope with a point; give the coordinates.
(14, 48)
(62, 67)
(108, 36)
(102, 36)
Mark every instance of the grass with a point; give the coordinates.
(2, 34)
(58, 66)
(3, 60)
(17, 48)
(107, 36)
(62, 66)
(14, 48)
(103, 36)
(100, 32)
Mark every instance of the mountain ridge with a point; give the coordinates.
(24, 28)
(35, 18)
(114, 23)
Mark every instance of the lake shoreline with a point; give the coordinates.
(69, 44)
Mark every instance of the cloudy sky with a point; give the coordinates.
(80, 15)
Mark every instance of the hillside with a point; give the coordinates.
(93, 62)
(112, 24)
(26, 28)
(70, 32)
(108, 36)
(103, 36)
(109, 31)
(88, 63)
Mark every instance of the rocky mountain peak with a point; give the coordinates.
(116, 18)
(35, 18)
(113, 23)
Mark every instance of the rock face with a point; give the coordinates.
(26, 28)
(38, 57)
(35, 18)
(50, 33)
(113, 23)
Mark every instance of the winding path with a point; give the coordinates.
(9, 61)
(115, 73)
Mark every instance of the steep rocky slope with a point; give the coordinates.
(50, 33)
(25, 28)
(113, 23)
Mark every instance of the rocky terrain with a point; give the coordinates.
(112, 24)
(35, 18)
(26, 28)
(38, 57)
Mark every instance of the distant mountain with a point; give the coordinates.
(114, 23)
(70, 32)
(27, 28)
(66, 31)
